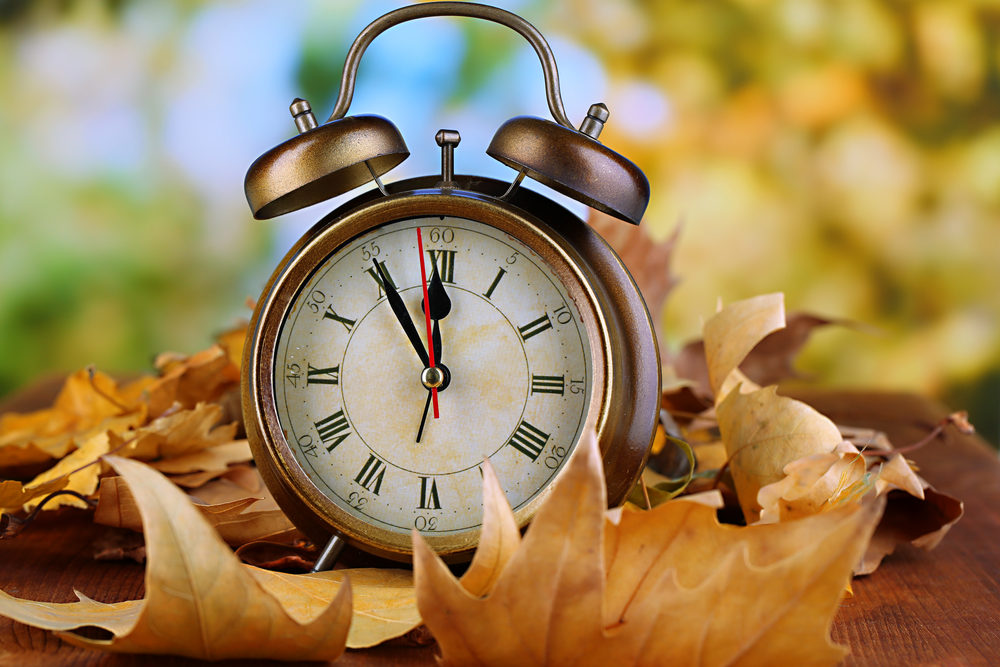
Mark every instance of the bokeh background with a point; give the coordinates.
(845, 152)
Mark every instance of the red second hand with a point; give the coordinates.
(427, 318)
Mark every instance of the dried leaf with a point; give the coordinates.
(80, 470)
(731, 333)
(666, 586)
(88, 403)
(216, 458)
(385, 603)
(769, 362)
(200, 600)
(499, 540)
(922, 523)
(234, 520)
(181, 433)
(187, 381)
(763, 433)
(14, 494)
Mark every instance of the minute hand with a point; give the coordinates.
(402, 316)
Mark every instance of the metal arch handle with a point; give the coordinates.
(465, 9)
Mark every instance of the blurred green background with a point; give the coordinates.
(845, 152)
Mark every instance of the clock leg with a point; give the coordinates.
(330, 554)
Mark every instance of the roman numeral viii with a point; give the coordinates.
(333, 430)
(326, 375)
(429, 499)
(371, 474)
(548, 384)
(444, 260)
(529, 440)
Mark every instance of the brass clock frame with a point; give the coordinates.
(625, 385)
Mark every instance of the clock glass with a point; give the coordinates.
(351, 390)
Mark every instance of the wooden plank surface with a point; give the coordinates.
(919, 608)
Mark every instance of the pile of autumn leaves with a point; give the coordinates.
(584, 585)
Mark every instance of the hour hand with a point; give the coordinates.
(402, 316)
(439, 307)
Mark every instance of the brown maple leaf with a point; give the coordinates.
(667, 586)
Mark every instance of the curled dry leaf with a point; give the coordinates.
(200, 600)
(667, 586)
(787, 460)
(763, 432)
(770, 361)
(234, 520)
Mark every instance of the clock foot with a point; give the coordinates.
(330, 554)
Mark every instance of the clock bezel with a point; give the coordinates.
(615, 321)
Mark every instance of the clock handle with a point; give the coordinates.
(466, 9)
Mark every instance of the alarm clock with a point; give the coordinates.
(433, 324)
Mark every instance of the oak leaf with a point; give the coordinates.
(200, 600)
(670, 585)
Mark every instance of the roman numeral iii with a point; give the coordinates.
(323, 375)
(529, 440)
(548, 384)
(371, 474)
(333, 430)
(429, 499)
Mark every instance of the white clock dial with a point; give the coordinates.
(347, 381)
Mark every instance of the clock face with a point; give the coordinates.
(347, 381)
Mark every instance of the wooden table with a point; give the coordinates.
(940, 608)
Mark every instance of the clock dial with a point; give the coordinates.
(351, 389)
